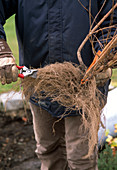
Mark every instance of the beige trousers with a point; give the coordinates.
(60, 150)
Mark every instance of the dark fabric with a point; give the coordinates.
(4, 48)
(53, 108)
(51, 31)
(2, 33)
(57, 110)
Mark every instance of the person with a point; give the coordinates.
(49, 32)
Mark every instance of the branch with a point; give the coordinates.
(91, 32)
(112, 44)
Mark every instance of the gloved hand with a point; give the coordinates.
(113, 62)
(102, 77)
(8, 69)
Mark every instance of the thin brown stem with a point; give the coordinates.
(91, 32)
(103, 54)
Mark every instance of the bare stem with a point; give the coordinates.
(103, 54)
(91, 32)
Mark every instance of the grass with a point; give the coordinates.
(12, 41)
(114, 77)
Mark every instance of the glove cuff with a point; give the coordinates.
(4, 48)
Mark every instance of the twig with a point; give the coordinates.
(105, 28)
(98, 13)
(103, 54)
(91, 32)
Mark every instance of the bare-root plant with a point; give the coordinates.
(61, 82)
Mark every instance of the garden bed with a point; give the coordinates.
(17, 144)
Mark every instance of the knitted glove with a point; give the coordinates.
(102, 77)
(8, 69)
(113, 62)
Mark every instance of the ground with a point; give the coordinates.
(17, 144)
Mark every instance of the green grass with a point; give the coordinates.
(11, 36)
(12, 41)
(114, 77)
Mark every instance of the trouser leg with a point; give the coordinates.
(51, 148)
(75, 149)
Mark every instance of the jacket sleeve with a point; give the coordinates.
(106, 35)
(7, 9)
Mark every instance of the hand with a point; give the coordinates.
(102, 77)
(8, 69)
(113, 62)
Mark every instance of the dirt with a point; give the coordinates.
(17, 144)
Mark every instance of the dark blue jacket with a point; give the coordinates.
(51, 31)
